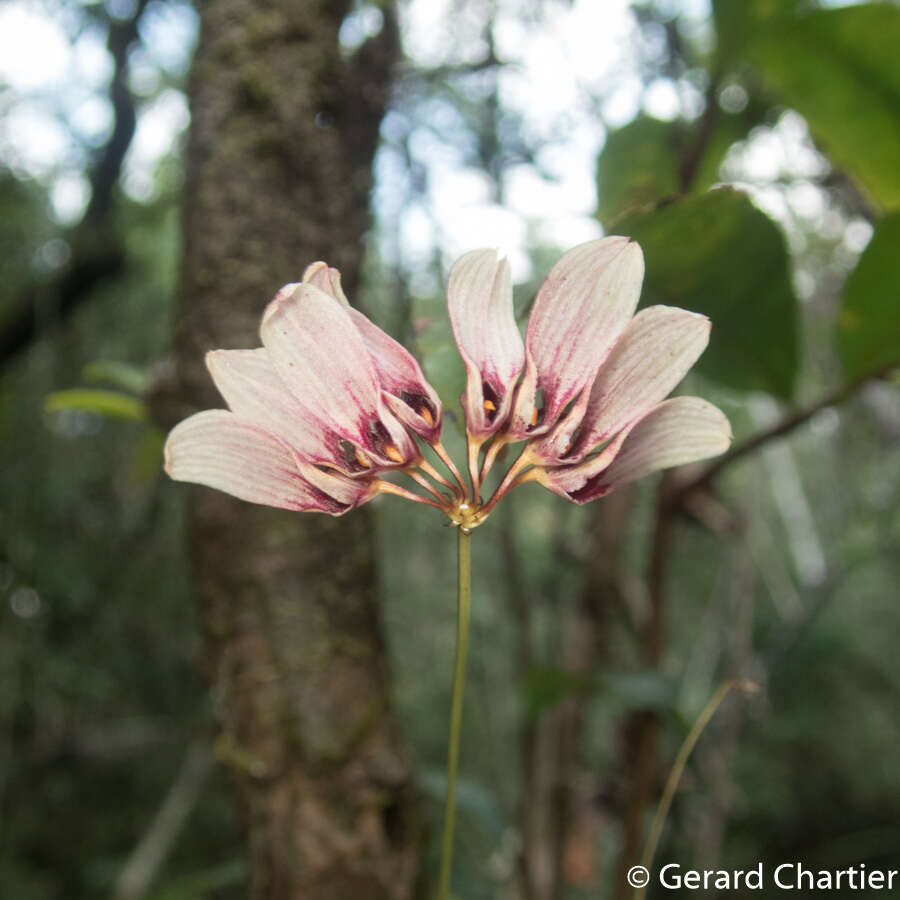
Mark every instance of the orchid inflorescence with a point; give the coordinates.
(330, 404)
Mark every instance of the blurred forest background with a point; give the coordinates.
(753, 149)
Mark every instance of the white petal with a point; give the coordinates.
(320, 355)
(256, 394)
(579, 313)
(678, 431)
(654, 353)
(406, 391)
(398, 372)
(216, 449)
(480, 302)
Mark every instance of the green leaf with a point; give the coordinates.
(113, 404)
(638, 166)
(839, 69)
(869, 323)
(640, 163)
(120, 374)
(717, 254)
(545, 686)
(648, 689)
(472, 798)
(148, 456)
(737, 20)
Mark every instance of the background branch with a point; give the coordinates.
(162, 833)
(779, 429)
(98, 251)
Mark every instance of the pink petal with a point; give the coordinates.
(580, 311)
(256, 394)
(676, 432)
(319, 354)
(327, 279)
(479, 297)
(406, 391)
(217, 449)
(654, 353)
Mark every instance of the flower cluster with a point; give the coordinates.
(330, 404)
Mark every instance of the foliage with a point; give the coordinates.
(869, 324)
(838, 67)
(717, 254)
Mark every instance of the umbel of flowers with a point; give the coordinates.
(330, 408)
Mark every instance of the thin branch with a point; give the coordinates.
(166, 825)
(106, 170)
(446, 459)
(779, 429)
(678, 769)
(696, 151)
(73, 286)
(98, 254)
(433, 473)
(388, 487)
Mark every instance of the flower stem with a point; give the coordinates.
(497, 444)
(474, 448)
(388, 487)
(441, 451)
(432, 472)
(420, 479)
(514, 476)
(459, 673)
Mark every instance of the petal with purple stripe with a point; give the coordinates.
(406, 391)
(654, 353)
(255, 393)
(215, 448)
(321, 357)
(480, 302)
(677, 431)
(580, 311)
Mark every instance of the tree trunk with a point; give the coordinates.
(284, 129)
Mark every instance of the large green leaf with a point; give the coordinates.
(638, 166)
(641, 163)
(737, 20)
(869, 324)
(717, 254)
(839, 68)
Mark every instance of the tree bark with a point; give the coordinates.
(283, 133)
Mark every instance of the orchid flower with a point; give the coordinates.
(588, 376)
(316, 415)
(330, 404)
(330, 407)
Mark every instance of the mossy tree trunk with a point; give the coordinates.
(284, 129)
